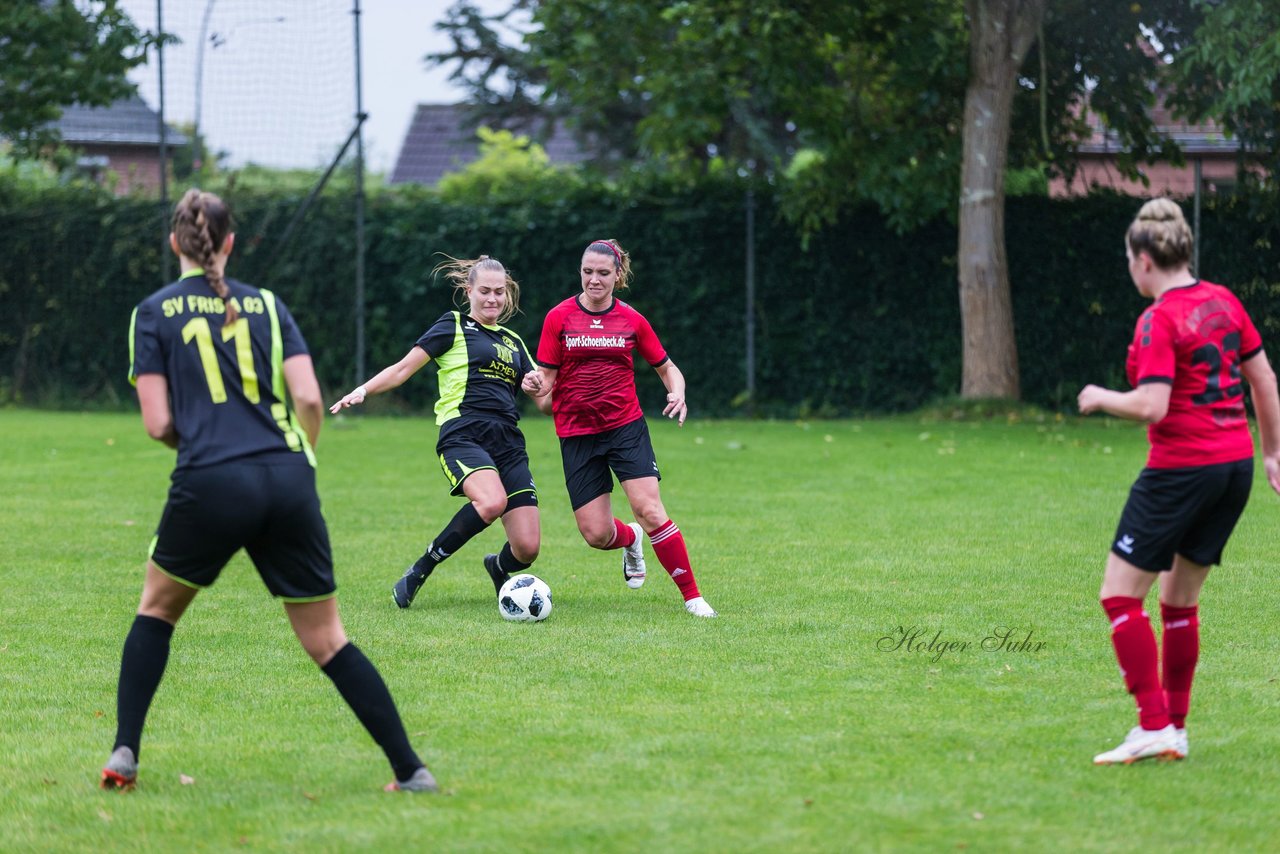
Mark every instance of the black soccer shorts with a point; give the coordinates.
(268, 507)
(1188, 511)
(474, 445)
(627, 451)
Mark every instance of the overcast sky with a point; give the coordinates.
(277, 76)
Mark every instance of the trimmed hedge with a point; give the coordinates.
(863, 320)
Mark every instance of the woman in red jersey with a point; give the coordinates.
(585, 356)
(1190, 350)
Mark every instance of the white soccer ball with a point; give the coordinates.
(524, 598)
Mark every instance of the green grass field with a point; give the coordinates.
(622, 723)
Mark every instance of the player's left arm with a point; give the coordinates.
(674, 381)
(304, 388)
(157, 416)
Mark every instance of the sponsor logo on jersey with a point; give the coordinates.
(574, 341)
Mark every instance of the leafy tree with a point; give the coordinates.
(55, 53)
(918, 106)
(1231, 73)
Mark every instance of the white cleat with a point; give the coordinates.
(633, 560)
(1180, 739)
(699, 607)
(1143, 744)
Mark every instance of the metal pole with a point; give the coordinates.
(197, 154)
(360, 117)
(751, 302)
(164, 153)
(1195, 232)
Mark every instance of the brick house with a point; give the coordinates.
(1208, 152)
(123, 139)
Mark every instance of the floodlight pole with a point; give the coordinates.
(164, 151)
(1195, 230)
(360, 117)
(751, 301)
(197, 154)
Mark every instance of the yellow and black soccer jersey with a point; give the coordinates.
(226, 383)
(481, 368)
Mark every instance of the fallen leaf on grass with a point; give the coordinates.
(185, 780)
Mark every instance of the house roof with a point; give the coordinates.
(128, 121)
(1205, 138)
(439, 141)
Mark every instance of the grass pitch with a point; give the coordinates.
(910, 656)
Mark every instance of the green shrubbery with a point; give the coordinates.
(862, 320)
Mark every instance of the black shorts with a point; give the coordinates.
(626, 451)
(1188, 511)
(272, 511)
(475, 445)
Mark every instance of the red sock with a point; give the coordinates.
(623, 535)
(1135, 646)
(668, 545)
(1181, 642)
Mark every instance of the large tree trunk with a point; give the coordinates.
(1000, 33)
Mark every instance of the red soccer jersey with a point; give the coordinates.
(1195, 338)
(595, 388)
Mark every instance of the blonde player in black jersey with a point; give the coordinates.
(480, 446)
(212, 359)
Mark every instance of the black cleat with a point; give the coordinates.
(496, 575)
(407, 587)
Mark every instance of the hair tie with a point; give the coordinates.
(617, 257)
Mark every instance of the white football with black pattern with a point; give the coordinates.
(524, 598)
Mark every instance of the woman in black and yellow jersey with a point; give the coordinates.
(212, 359)
(480, 446)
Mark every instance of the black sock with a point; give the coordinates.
(146, 653)
(360, 684)
(464, 525)
(504, 566)
(507, 560)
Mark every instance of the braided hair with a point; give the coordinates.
(201, 223)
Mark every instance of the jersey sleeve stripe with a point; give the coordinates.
(277, 345)
(1244, 357)
(133, 324)
(1165, 380)
(277, 375)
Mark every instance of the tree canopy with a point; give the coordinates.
(1230, 73)
(836, 103)
(56, 53)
